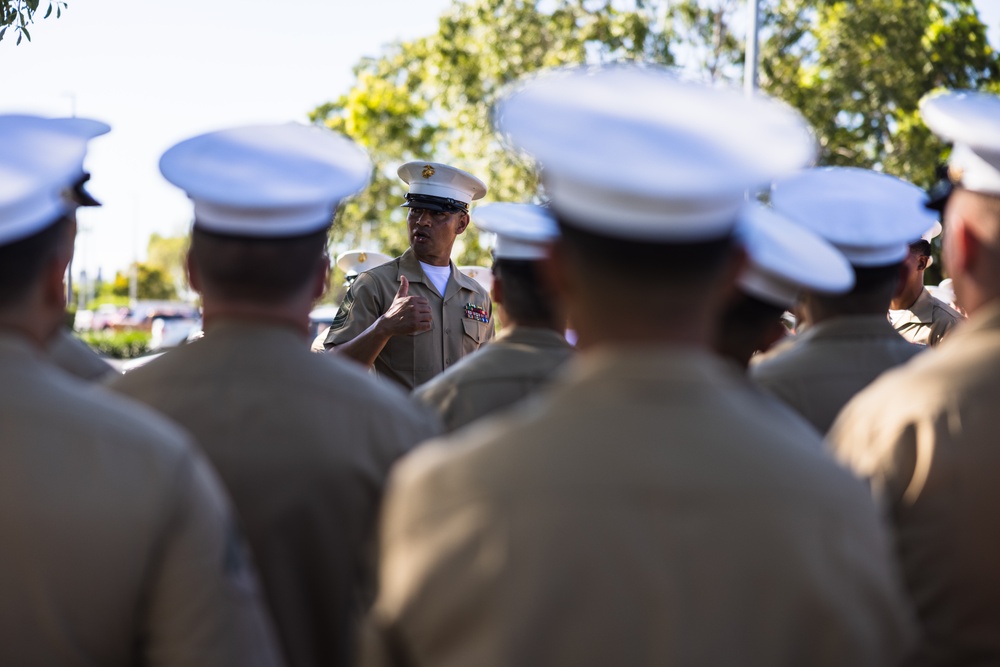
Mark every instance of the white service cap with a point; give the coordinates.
(524, 231)
(634, 152)
(358, 261)
(870, 217)
(267, 180)
(26, 143)
(440, 187)
(786, 258)
(481, 274)
(41, 161)
(970, 120)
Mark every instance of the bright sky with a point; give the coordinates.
(159, 71)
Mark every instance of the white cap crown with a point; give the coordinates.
(267, 180)
(786, 258)
(524, 231)
(634, 152)
(870, 217)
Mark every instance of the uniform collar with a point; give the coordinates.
(13, 343)
(659, 365)
(850, 326)
(534, 336)
(234, 327)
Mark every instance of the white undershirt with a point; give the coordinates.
(438, 274)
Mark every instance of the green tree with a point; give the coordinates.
(857, 72)
(151, 283)
(21, 13)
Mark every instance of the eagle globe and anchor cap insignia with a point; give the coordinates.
(428, 171)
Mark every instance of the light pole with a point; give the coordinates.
(750, 63)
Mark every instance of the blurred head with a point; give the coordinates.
(523, 295)
(636, 288)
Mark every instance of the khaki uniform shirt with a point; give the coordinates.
(118, 547)
(927, 321)
(303, 443)
(648, 510)
(411, 360)
(518, 363)
(925, 436)
(77, 358)
(818, 371)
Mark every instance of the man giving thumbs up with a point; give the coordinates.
(413, 317)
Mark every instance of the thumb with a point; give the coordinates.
(404, 287)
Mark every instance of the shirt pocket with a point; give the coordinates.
(475, 334)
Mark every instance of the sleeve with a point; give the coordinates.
(438, 571)
(882, 453)
(362, 305)
(203, 605)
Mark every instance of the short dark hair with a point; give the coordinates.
(253, 268)
(21, 262)
(526, 298)
(922, 246)
(677, 264)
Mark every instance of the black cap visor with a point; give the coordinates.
(432, 203)
(79, 194)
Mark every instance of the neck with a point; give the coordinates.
(687, 328)
(906, 298)
(434, 260)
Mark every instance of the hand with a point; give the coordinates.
(406, 314)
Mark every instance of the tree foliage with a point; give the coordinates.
(151, 283)
(858, 70)
(21, 13)
(855, 70)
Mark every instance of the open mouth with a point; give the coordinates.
(420, 236)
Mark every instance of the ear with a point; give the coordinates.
(463, 222)
(322, 279)
(965, 251)
(555, 272)
(497, 292)
(193, 276)
(53, 284)
(922, 263)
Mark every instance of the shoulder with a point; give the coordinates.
(103, 420)
(944, 314)
(779, 359)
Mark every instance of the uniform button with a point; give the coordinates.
(447, 331)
